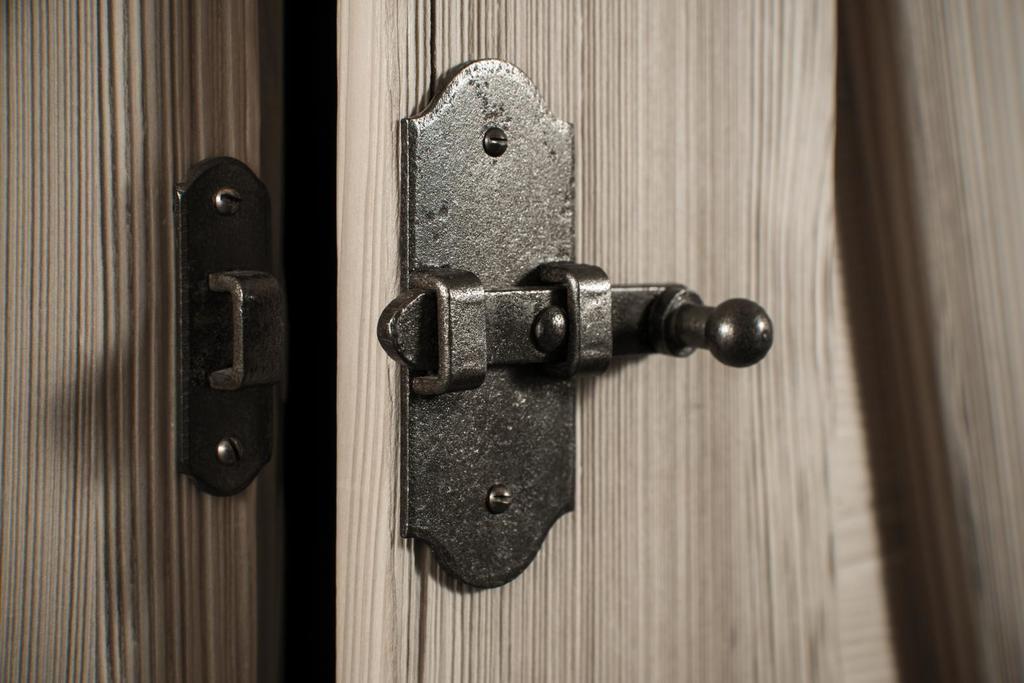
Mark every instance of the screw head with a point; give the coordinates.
(229, 450)
(549, 329)
(499, 499)
(495, 141)
(227, 201)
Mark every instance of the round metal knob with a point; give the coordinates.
(738, 332)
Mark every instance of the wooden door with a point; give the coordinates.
(113, 566)
(701, 544)
(845, 510)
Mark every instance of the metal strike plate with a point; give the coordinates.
(488, 188)
(230, 327)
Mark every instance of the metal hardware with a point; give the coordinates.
(495, 142)
(230, 327)
(549, 328)
(226, 201)
(589, 306)
(461, 335)
(499, 499)
(498, 217)
(668, 319)
(738, 332)
(258, 324)
(495, 318)
(229, 450)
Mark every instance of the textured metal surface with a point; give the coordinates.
(222, 223)
(257, 317)
(408, 327)
(499, 217)
(588, 307)
(461, 331)
(638, 324)
(662, 312)
(738, 332)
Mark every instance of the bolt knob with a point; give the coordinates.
(738, 332)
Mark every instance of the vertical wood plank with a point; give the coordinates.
(935, 107)
(112, 566)
(383, 71)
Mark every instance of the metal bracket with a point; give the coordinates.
(496, 205)
(230, 327)
(588, 305)
(496, 319)
(461, 331)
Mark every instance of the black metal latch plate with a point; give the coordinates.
(230, 327)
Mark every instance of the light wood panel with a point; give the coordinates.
(111, 565)
(936, 103)
(702, 546)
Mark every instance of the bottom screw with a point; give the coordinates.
(229, 451)
(499, 499)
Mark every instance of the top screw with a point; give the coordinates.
(499, 499)
(495, 142)
(226, 201)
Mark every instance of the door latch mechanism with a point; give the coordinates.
(495, 319)
(230, 327)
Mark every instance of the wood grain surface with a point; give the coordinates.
(934, 224)
(702, 546)
(112, 566)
